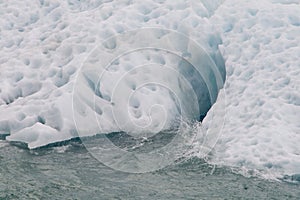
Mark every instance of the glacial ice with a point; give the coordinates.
(45, 46)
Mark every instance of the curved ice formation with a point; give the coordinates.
(142, 81)
(44, 43)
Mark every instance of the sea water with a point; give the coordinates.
(71, 172)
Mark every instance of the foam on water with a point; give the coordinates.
(43, 45)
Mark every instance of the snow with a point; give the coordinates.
(50, 89)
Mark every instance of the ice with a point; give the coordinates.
(43, 46)
(45, 42)
(286, 1)
(262, 125)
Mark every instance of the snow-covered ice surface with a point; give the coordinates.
(44, 43)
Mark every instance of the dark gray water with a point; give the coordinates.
(70, 172)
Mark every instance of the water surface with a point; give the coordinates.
(70, 172)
